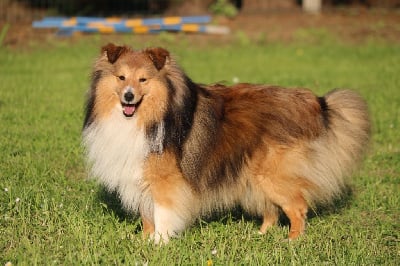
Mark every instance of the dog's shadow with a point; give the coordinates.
(337, 205)
(112, 205)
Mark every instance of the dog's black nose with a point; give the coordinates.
(129, 96)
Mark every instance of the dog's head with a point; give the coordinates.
(133, 80)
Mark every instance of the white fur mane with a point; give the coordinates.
(116, 149)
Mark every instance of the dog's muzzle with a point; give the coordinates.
(128, 102)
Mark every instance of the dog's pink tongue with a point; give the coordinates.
(129, 110)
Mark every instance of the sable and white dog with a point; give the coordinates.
(174, 149)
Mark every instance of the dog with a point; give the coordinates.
(174, 150)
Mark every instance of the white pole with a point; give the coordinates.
(312, 6)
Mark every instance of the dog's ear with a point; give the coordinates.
(113, 52)
(158, 56)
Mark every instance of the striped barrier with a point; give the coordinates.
(68, 26)
(56, 22)
(188, 28)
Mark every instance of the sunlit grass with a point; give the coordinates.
(50, 213)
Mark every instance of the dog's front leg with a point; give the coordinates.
(148, 225)
(174, 202)
(168, 223)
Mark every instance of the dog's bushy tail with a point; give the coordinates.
(335, 155)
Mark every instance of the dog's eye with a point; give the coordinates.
(142, 80)
(121, 77)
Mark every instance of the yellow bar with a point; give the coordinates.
(172, 20)
(134, 22)
(140, 29)
(190, 27)
(70, 22)
(113, 20)
(106, 29)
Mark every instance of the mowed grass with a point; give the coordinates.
(50, 213)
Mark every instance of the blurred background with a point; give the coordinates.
(275, 19)
(20, 10)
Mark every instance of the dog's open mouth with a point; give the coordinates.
(129, 109)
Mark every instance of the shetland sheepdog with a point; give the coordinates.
(174, 150)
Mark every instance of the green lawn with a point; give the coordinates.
(51, 214)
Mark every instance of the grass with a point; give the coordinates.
(51, 214)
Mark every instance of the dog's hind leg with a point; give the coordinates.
(296, 211)
(270, 218)
(286, 193)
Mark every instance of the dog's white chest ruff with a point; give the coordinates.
(116, 149)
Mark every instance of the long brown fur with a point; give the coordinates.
(209, 148)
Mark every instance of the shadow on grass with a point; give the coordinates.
(112, 206)
(336, 206)
(238, 214)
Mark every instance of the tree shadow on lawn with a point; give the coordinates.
(112, 206)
